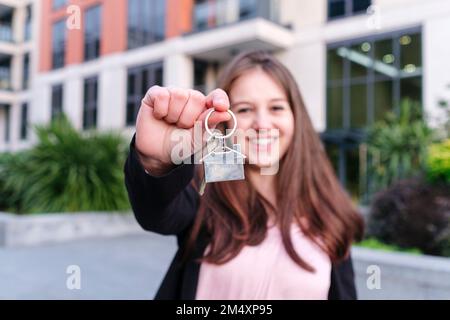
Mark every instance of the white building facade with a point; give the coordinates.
(354, 60)
(17, 66)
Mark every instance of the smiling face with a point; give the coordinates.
(261, 105)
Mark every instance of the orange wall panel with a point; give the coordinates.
(113, 27)
(178, 17)
(75, 37)
(45, 43)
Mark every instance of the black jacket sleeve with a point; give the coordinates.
(167, 204)
(343, 281)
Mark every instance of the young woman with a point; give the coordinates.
(271, 236)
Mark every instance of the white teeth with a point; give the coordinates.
(263, 141)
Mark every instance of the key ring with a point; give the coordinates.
(220, 136)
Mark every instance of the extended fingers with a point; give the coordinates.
(192, 110)
(158, 99)
(218, 99)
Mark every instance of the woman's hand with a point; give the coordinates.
(162, 111)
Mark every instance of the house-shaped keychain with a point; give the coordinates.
(224, 165)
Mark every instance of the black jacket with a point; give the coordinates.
(167, 205)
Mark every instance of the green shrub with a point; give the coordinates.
(376, 244)
(438, 162)
(67, 171)
(9, 200)
(397, 146)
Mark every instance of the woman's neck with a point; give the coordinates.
(264, 184)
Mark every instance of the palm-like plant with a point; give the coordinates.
(68, 171)
(397, 145)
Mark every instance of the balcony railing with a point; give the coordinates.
(209, 14)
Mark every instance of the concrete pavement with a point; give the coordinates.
(127, 267)
(132, 267)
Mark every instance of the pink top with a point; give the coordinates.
(266, 272)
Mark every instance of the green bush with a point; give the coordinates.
(376, 244)
(9, 200)
(438, 162)
(66, 171)
(397, 146)
(407, 211)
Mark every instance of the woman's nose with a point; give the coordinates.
(262, 120)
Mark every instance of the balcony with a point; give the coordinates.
(209, 14)
(221, 28)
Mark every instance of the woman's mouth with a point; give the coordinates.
(263, 144)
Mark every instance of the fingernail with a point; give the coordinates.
(221, 102)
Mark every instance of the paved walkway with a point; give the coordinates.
(132, 267)
(129, 267)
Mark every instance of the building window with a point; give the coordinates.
(58, 44)
(201, 15)
(90, 103)
(58, 4)
(57, 101)
(346, 8)
(369, 77)
(24, 122)
(26, 71)
(200, 75)
(146, 22)
(92, 33)
(5, 72)
(6, 23)
(366, 79)
(215, 13)
(27, 30)
(7, 115)
(248, 8)
(139, 80)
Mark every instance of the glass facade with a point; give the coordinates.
(200, 72)
(92, 33)
(58, 4)
(7, 121)
(90, 101)
(215, 13)
(28, 21)
(58, 44)
(346, 8)
(5, 72)
(24, 121)
(139, 80)
(6, 23)
(26, 71)
(146, 22)
(57, 100)
(366, 78)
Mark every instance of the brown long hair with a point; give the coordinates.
(235, 214)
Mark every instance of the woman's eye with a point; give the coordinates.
(277, 108)
(243, 110)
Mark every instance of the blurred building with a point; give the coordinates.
(16, 64)
(354, 60)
